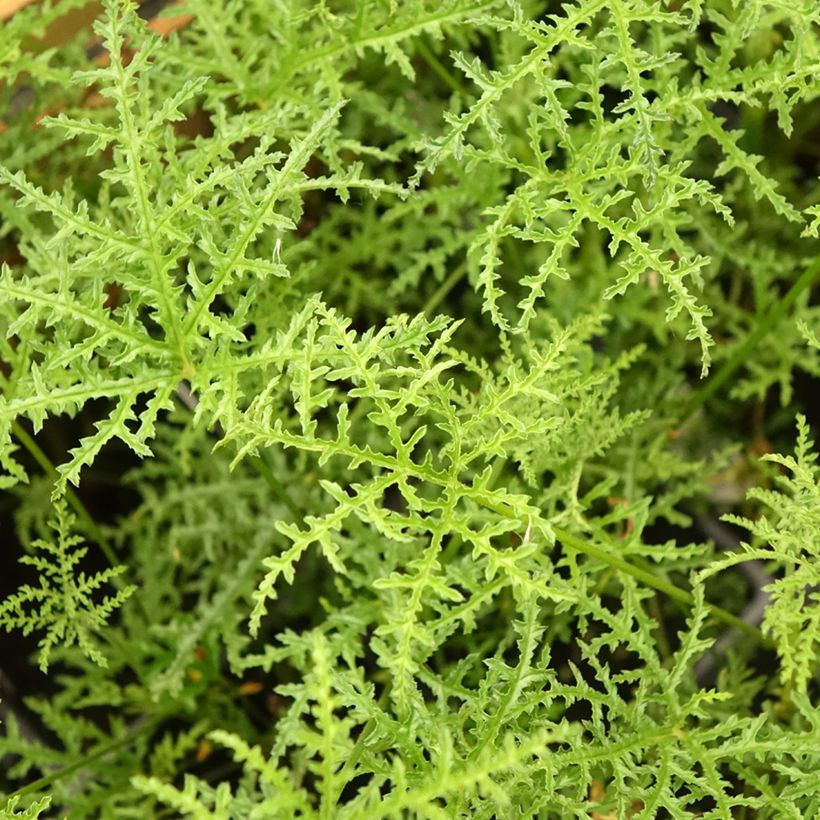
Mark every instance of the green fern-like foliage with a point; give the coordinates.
(66, 604)
(36, 809)
(403, 358)
(643, 746)
(786, 534)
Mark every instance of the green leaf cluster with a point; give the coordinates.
(393, 364)
(64, 603)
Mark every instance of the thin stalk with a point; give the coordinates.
(443, 289)
(47, 780)
(358, 748)
(437, 66)
(662, 639)
(83, 516)
(278, 488)
(648, 578)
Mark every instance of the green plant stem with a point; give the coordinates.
(86, 521)
(443, 289)
(278, 488)
(741, 353)
(47, 780)
(436, 65)
(662, 639)
(358, 749)
(651, 580)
